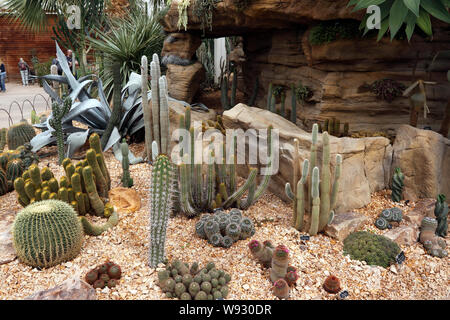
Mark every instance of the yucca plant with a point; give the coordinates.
(411, 13)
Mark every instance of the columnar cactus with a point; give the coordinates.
(96, 230)
(320, 204)
(59, 111)
(161, 205)
(263, 252)
(280, 263)
(47, 233)
(155, 72)
(397, 185)
(441, 213)
(19, 134)
(127, 181)
(147, 111)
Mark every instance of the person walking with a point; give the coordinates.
(2, 76)
(24, 68)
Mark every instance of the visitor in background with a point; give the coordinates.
(70, 62)
(2, 76)
(23, 68)
(55, 62)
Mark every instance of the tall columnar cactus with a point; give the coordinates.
(19, 134)
(320, 204)
(252, 100)
(162, 191)
(59, 110)
(233, 88)
(224, 93)
(164, 121)
(127, 181)
(155, 72)
(147, 111)
(441, 213)
(293, 104)
(397, 185)
(269, 96)
(94, 143)
(47, 233)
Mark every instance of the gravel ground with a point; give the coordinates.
(420, 277)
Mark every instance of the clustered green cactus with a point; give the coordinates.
(222, 229)
(441, 212)
(127, 181)
(397, 185)
(35, 119)
(211, 125)
(107, 274)
(371, 248)
(282, 275)
(388, 215)
(321, 203)
(177, 280)
(19, 134)
(47, 233)
(218, 189)
(162, 192)
(432, 243)
(333, 127)
(59, 111)
(83, 186)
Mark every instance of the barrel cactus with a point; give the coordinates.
(371, 248)
(47, 233)
(14, 169)
(4, 184)
(19, 134)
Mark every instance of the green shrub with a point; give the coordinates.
(371, 248)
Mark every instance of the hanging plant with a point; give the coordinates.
(203, 10)
(182, 14)
(303, 93)
(387, 89)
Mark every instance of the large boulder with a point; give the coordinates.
(184, 81)
(366, 161)
(345, 223)
(424, 158)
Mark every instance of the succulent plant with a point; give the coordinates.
(291, 277)
(381, 223)
(59, 111)
(332, 284)
(280, 263)
(99, 284)
(4, 183)
(112, 283)
(441, 213)
(47, 233)
(432, 243)
(19, 134)
(387, 89)
(91, 276)
(397, 185)
(262, 252)
(281, 289)
(114, 271)
(371, 248)
(127, 181)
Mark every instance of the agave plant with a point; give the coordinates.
(94, 113)
(412, 13)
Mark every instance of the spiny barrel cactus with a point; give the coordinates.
(19, 134)
(4, 184)
(320, 199)
(127, 181)
(161, 205)
(47, 233)
(14, 169)
(371, 248)
(397, 185)
(441, 213)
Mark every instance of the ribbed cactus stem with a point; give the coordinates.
(233, 88)
(147, 111)
(325, 183)
(95, 201)
(224, 93)
(94, 143)
(185, 184)
(211, 179)
(315, 212)
(161, 206)
(300, 196)
(337, 176)
(59, 110)
(296, 166)
(96, 230)
(269, 96)
(240, 192)
(155, 102)
(312, 161)
(164, 115)
(293, 105)
(127, 181)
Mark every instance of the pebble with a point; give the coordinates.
(246, 286)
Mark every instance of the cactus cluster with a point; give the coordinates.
(371, 248)
(19, 134)
(275, 92)
(178, 280)
(397, 185)
(162, 192)
(320, 204)
(211, 125)
(47, 233)
(222, 229)
(107, 274)
(333, 127)
(127, 181)
(83, 186)
(217, 187)
(388, 215)
(59, 111)
(282, 275)
(433, 244)
(332, 284)
(441, 214)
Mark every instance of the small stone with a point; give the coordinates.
(246, 287)
(393, 269)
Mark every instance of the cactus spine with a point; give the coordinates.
(127, 181)
(161, 202)
(319, 204)
(397, 185)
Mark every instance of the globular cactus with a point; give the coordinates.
(320, 198)
(4, 183)
(433, 244)
(19, 134)
(381, 223)
(262, 252)
(14, 169)
(281, 289)
(397, 185)
(59, 111)
(280, 263)
(162, 182)
(441, 214)
(332, 285)
(47, 233)
(291, 277)
(4, 158)
(127, 181)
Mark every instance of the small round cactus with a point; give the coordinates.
(291, 277)
(210, 265)
(179, 289)
(332, 285)
(104, 277)
(227, 242)
(211, 227)
(233, 230)
(200, 229)
(206, 287)
(216, 239)
(99, 284)
(201, 295)
(185, 296)
(114, 271)
(281, 289)
(381, 223)
(91, 276)
(111, 283)
(187, 280)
